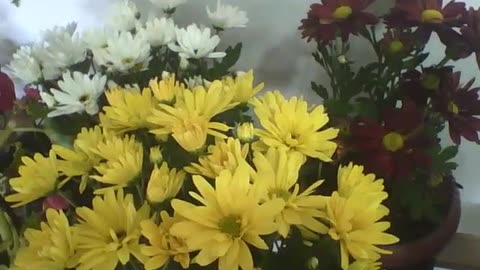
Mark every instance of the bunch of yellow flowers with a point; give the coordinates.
(174, 183)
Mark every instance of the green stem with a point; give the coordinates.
(443, 62)
(134, 265)
(140, 191)
(29, 130)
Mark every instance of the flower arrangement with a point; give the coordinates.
(391, 111)
(135, 146)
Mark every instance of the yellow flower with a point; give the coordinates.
(289, 124)
(276, 176)
(110, 232)
(155, 155)
(189, 120)
(246, 132)
(51, 247)
(243, 87)
(167, 89)
(38, 177)
(163, 245)
(229, 217)
(224, 155)
(355, 224)
(128, 110)
(80, 160)
(353, 182)
(365, 265)
(122, 160)
(164, 183)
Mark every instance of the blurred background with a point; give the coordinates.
(272, 47)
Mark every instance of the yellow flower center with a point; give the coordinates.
(279, 193)
(432, 16)
(342, 12)
(127, 61)
(431, 81)
(393, 141)
(453, 108)
(231, 225)
(396, 46)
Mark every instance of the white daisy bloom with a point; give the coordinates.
(78, 93)
(227, 16)
(168, 4)
(25, 66)
(60, 49)
(195, 81)
(159, 32)
(124, 16)
(97, 38)
(192, 42)
(124, 52)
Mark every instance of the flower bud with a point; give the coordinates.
(155, 155)
(56, 202)
(246, 132)
(313, 263)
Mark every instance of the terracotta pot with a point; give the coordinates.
(426, 248)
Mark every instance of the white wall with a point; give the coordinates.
(272, 46)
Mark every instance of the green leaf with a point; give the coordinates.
(415, 61)
(4, 136)
(449, 152)
(16, 2)
(366, 108)
(338, 108)
(37, 110)
(221, 68)
(320, 90)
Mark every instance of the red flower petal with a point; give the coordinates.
(7, 93)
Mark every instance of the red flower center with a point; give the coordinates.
(393, 141)
(432, 16)
(342, 12)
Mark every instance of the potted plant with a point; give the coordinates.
(134, 147)
(392, 110)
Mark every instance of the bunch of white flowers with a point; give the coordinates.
(127, 43)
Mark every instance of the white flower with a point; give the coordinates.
(167, 4)
(196, 43)
(227, 16)
(79, 93)
(124, 16)
(159, 32)
(25, 66)
(195, 81)
(124, 52)
(97, 38)
(60, 49)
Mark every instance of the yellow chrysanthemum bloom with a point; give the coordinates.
(167, 89)
(122, 160)
(164, 183)
(110, 232)
(243, 86)
(163, 245)
(276, 176)
(224, 155)
(352, 181)
(80, 160)
(52, 247)
(365, 265)
(355, 224)
(289, 124)
(38, 177)
(229, 217)
(128, 109)
(189, 120)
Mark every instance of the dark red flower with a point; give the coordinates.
(460, 105)
(331, 16)
(397, 43)
(7, 93)
(394, 147)
(471, 32)
(420, 86)
(428, 16)
(32, 94)
(56, 202)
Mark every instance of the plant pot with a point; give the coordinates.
(423, 250)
